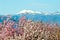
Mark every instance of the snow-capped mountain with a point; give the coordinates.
(53, 17)
(37, 12)
(50, 17)
(28, 11)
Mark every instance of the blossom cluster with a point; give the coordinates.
(28, 30)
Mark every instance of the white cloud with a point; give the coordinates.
(40, 5)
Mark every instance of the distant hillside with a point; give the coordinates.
(35, 17)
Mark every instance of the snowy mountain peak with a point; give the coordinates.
(37, 12)
(29, 11)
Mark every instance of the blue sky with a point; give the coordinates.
(14, 6)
